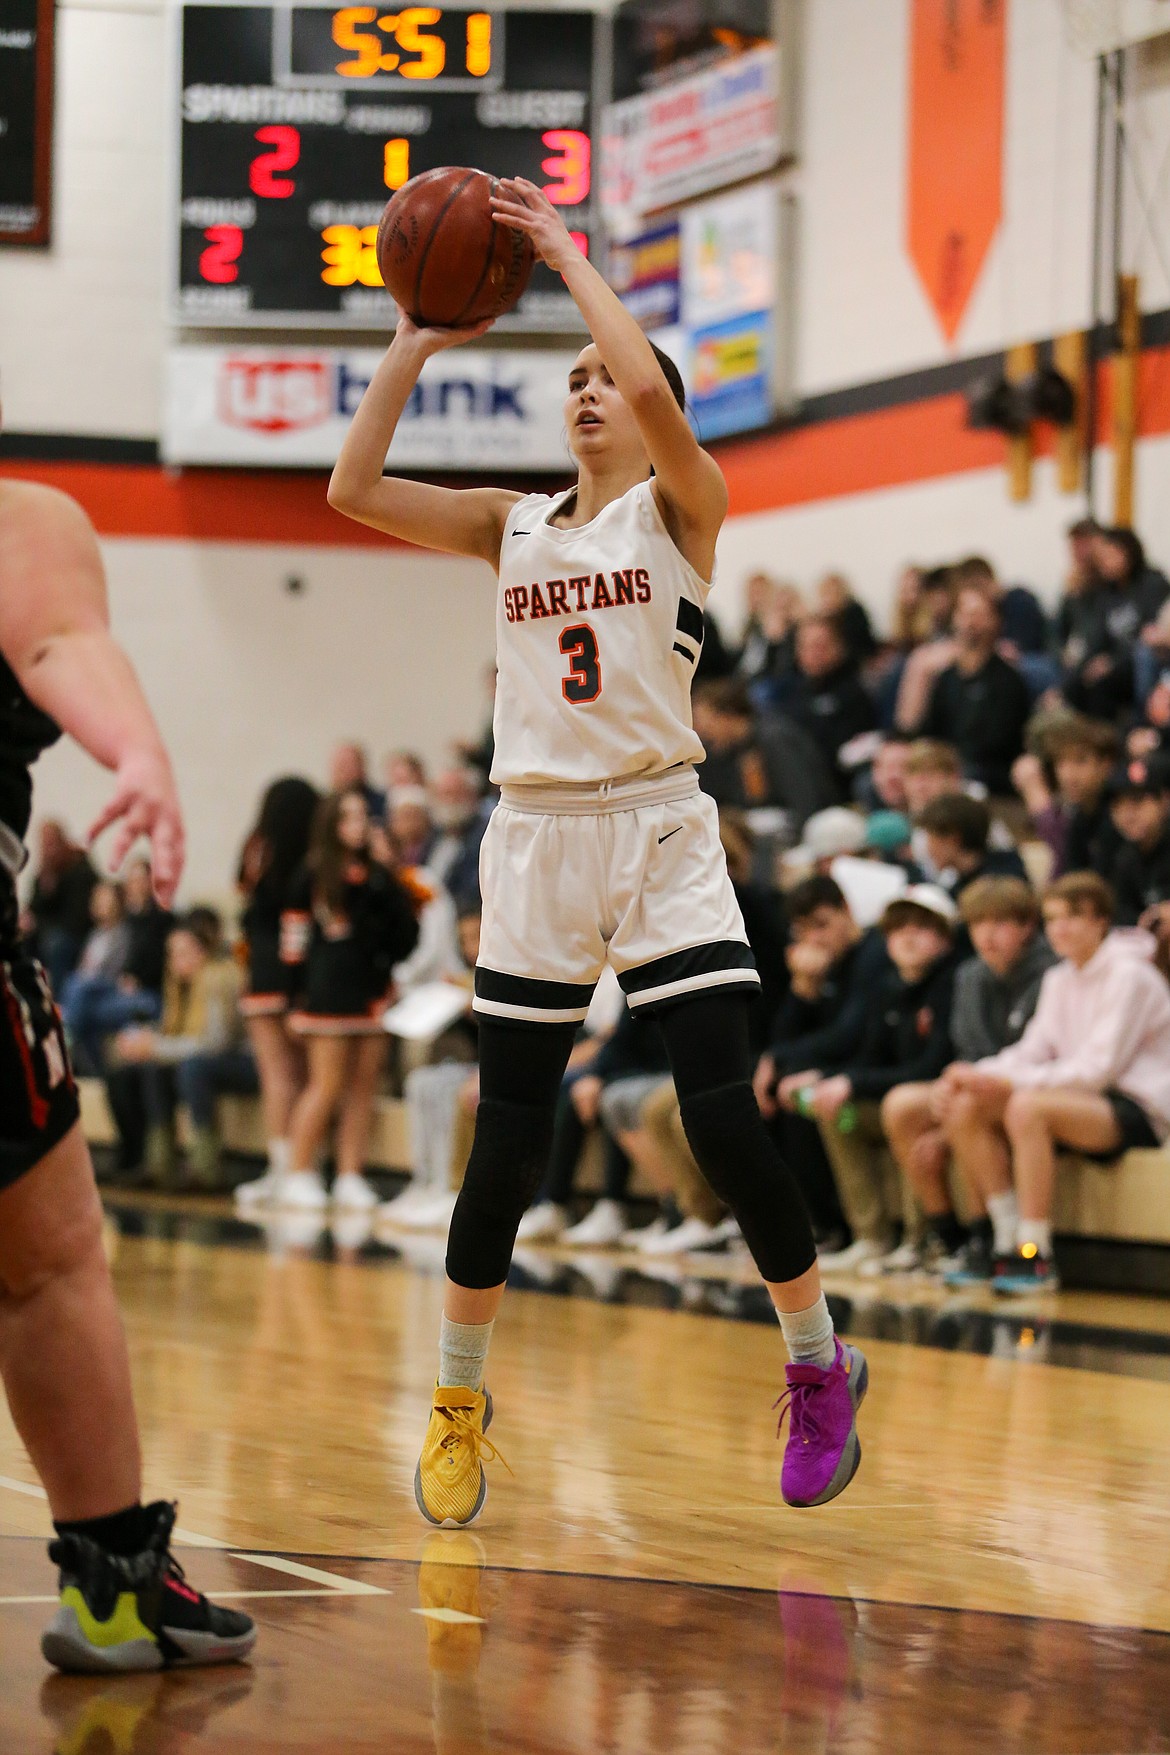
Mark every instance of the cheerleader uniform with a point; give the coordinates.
(341, 962)
(38, 1097)
(269, 989)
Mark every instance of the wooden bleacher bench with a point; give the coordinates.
(1125, 1203)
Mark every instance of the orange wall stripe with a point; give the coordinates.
(857, 454)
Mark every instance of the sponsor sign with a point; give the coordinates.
(730, 255)
(731, 374)
(697, 134)
(644, 272)
(291, 407)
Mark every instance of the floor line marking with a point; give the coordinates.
(221, 1596)
(24, 1487)
(334, 1581)
(189, 1537)
(453, 1617)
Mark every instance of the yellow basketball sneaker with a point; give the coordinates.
(449, 1483)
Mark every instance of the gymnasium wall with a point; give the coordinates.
(390, 646)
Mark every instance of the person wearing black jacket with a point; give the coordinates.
(824, 693)
(1102, 623)
(271, 864)
(759, 761)
(346, 923)
(1139, 797)
(905, 1038)
(980, 703)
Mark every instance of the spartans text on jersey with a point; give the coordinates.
(590, 590)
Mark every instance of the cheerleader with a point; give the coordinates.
(272, 859)
(347, 923)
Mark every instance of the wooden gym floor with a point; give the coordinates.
(996, 1579)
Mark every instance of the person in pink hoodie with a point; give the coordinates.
(1090, 1073)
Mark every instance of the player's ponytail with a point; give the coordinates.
(672, 375)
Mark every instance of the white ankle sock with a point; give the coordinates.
(279, 1153)
(1005, 1218)
(463, 1350)
(808, 1334)
(1037, 1233)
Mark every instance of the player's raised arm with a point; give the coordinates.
(689, 479)
(462, 521)
(55, 633)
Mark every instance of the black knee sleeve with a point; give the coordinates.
(738, 1157)
(508, 1163)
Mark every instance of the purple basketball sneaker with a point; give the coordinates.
(823, 1449)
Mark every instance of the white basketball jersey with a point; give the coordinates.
(598, 631)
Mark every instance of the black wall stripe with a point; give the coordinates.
(690, 619)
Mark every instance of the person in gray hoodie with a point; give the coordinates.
(995, 995)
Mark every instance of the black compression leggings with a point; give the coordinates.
(520, 1073)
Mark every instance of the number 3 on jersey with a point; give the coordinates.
(583, 682)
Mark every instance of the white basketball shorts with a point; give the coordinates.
(631, 873)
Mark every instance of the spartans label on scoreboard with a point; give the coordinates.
(291, 407)
(297, 123)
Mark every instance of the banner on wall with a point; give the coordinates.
(735, 308)
(645, 273)
(291, 407)
(697, 134)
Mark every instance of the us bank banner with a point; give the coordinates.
(473, 408)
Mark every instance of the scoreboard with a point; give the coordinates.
(26, 120)
(297, 123)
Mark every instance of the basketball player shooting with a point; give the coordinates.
(602, 847)
(124, 1604)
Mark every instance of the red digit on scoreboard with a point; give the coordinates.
(286, 151)
(569, 166)
(225, 245)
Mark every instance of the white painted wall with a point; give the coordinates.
(249, 682)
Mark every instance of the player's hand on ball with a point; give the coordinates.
(435, 340)
(521, 204)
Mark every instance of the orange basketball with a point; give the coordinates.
(443, 258)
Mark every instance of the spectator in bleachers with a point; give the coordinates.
(349, 771)
(1151, 659)
(757, 760)
(715, 658)
(1088, 1074)
(957, 829)
(271, 862)
(980, 703)
(408, 822)
(100, 1007)
(99, 968)
(995, 995)
(196, 1054)
(1074, 821)
(927, 658)
(460, 817)
(349, 920)
(1103, 622)
(882, 786)
(833, 598)
(834, 971)
(824, 693)
(768, 641)
(404, 768)
(905, 1039)
(56, 916)
(1139, 795)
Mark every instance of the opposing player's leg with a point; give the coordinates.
(707, 1038)
(520, 1072)
(124, 1605)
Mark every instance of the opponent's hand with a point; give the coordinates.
(435, 339)
(145, 803)
(520, 204)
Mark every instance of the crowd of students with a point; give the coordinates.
(952, 852)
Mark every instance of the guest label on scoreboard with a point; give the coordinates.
(297, 123)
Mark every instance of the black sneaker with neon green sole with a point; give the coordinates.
(117, 1614)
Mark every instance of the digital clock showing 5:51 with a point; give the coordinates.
(298, 122)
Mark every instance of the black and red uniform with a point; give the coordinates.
(271, 980)
(343, 959)
(38, 1096)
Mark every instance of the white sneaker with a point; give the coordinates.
(408, 1201)
(599, 1229)
(691, 1234)
(433, 1214)
(640, 1234)
(906, 1259)
(848, 1261)
(259, 1192)
(543, 1223)
(303, 1191)
(351, 1227)
(353, 1194)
